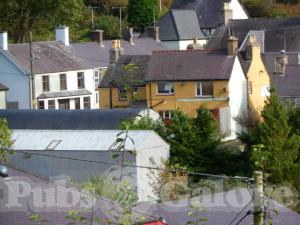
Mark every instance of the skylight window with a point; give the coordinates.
(53, 144)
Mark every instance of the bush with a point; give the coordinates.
(110, 25)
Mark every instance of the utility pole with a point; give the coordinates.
(92, 11)
(120, 18)
(258, 198)
(160, 6)
(31, 76)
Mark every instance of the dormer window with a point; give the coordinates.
(280, 64)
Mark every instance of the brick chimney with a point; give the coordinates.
(115, 52)
(3, 41)
(62, 34)
(232, 45)
(98, 35)
(227, 12)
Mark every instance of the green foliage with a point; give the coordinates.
(280, 145)
(19, 17)
(141, 12)
(263, 8)
(38, 220)
(194, 213)
(74, 218)
(5, 140)
(110, 25)
(106, 5)
(288, 1)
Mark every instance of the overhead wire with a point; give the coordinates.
(247, 179)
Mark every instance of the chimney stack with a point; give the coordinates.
(128, 35)
(99, 37)
(115, 52)
(62, 34)
(232, 45)
(3, 41)
(227, 13)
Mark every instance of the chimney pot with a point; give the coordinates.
(62, 34)
(3, 41)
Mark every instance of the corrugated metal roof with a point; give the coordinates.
(83, 140)
(68, 119)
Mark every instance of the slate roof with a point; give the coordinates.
(209, 12)
(3, 87)
(219, 209)
(97, 56)
(180, 25)
(286, 85)
(189, 65)
(55, 214)
(117, 73)
(50, 57)
(241, 28)
(67, 119)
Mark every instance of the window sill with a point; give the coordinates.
(206, 96)
(165, 94)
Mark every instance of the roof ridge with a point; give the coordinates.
(194, 50)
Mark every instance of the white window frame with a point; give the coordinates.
(201, 92)
(171, 88)
(163, 112)
(121, 89)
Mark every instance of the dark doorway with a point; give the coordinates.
(64, 103)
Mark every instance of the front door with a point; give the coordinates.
(64, 103)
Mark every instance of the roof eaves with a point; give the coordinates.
(12, 60)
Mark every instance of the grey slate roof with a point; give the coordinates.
(209, 12)
(53, 214)
(286, 85)
(67, 119)
(241, 28)
(64, 94)
(97, 56)
(50, 57)
(180, 25)
(3, 87)
(189, 65)
(119, 76)
(219, 209)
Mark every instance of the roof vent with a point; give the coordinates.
(53, 144)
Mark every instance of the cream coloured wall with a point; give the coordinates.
(2, 99)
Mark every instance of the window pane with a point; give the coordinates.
(86, 103)
(41, 105)
(165, 88)
(199, 93)
(80, 80)
(77, 103)
(122, 94)
(51, 104)
(45, 83)
(63, 82)
(207, 88)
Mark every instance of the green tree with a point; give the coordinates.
(110, 25)
(141, 12)
(106, 5)
(5, 140)
(19, 17)
(262, 8)
(280, 145)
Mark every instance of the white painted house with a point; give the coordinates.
(3, 91)
(188, 20)
(87, 146)
(60, 79)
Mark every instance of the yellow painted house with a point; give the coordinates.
(221, 80)
(257, 75)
